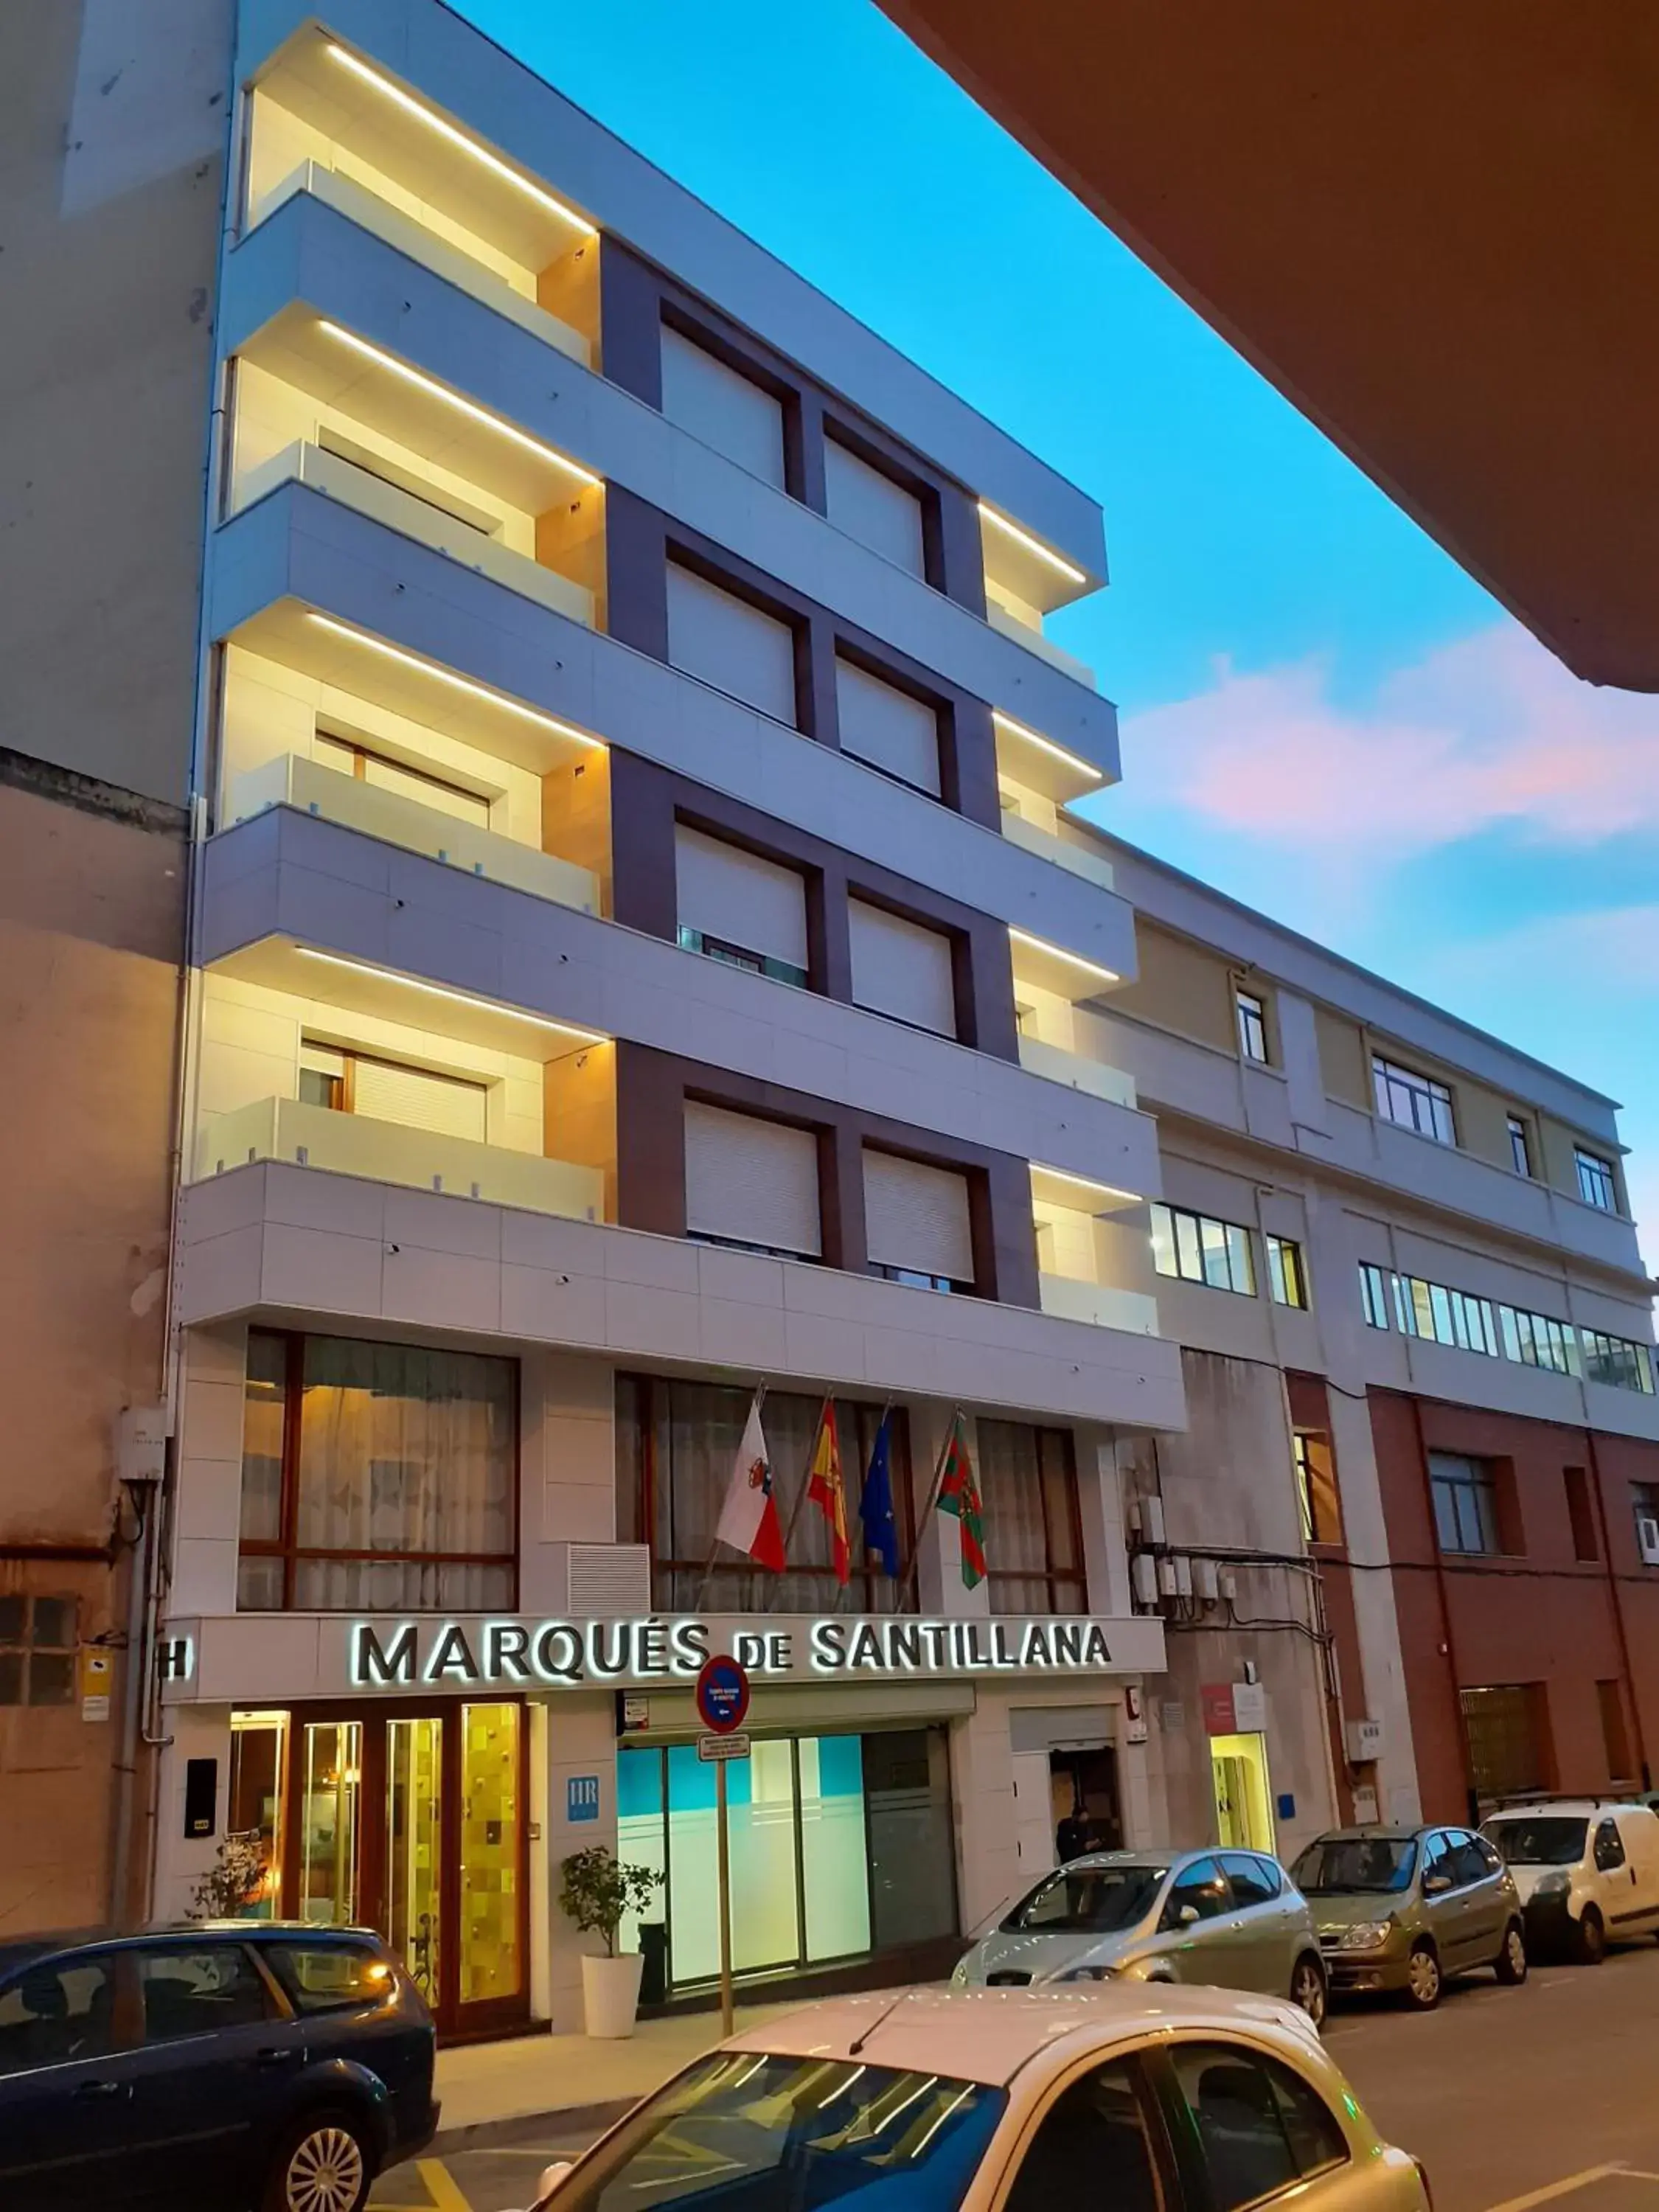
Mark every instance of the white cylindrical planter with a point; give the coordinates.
(611, 1994)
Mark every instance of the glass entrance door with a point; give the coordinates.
(411, 1913)
(331, 1793)
(491, 1901)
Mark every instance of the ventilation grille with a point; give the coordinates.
(608, 1581)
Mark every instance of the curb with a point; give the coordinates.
(529, 2127)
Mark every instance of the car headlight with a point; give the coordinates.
(1085, 1973)
(1554, 1885)
(1367, 1934)
(959, 1978)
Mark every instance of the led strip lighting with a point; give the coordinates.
(1031, 736)
(456, 682)
(1095, 1190)
(1066, 568)
(1072, 959)
(463, 997)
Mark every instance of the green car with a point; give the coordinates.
(1402, 1909)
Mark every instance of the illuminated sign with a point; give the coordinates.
(438, 1654)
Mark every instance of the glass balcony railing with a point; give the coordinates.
(1048, 847)
(1033, 640)
(1070, 1298)
(1078, 1074)
(390, 1151)
(293, 780)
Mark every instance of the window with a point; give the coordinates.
(197, 1992)
(1201, 1889)
(1465, 1503)
(1415, 1102)
(1033, 1526)
(1373, 1294)
(1615, 1738)
(1609, 1846)
(392, 1090)
(39, 1643)
(887, 727)
(1505, 1751)
(1259, 2126)
(867, 504)
(1580, 1513)
(1440, 1316)
(1254, 1881)
(379, 1477)
(739, 649)
(918, 1221)
(1469, 1860)
(751, 1182)
(736, 907)
(1645, 1504)
(902, 968)
(1095, 2128)
(1200, 1250)
(1315, 1487)
(53, 2014)
(1519, 1146)
(676, 1441)
(1285, 1278)
(1252, 1025)
(424, 785)
(1597, 1184)
(720, 404)
(1616, 1361)
(1538, 1340)
(329, 1976)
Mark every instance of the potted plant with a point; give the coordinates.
(596, 1890)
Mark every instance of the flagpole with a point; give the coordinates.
(932, 1500)
(801, 1500)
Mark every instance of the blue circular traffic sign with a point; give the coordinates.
(722, 1695)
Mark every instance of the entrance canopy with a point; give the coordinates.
(1432, 227)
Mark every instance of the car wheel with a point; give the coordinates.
(1308, 1988)
(1590, 1944)
(1423, 1980)
(324, 2166)
(1510, 1963)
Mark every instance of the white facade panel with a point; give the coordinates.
(753, 1181)
(726, 410)
(917, 1216)
(715, 635)
(727, 893)
(887, 727)
(901, 967)
(872, 508)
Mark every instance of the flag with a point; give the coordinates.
(958, 1494)
(876, 1504)
(828, 1492)
(749, 1519)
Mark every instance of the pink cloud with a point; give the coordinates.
(1491, 730)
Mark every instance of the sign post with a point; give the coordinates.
(722, 1705)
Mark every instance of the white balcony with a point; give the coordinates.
(370, 212)
(425, 520)
(1068, 1298)
(1032, 837)
(318, 1137)
(293, 780)
(1033, 640)
(1054, 1063)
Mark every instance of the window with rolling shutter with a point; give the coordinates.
(917, 1222)
(388, 1091)
(435, 791)
(887, 727)
(721, 639)
(724, 408)
(735, 906)
(869, 506)
(902, 969)
(751, 1182)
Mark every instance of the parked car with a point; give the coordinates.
(1404, 1908)
(1588, 1872)
(1145, 2098)
(1227, 1917)
(223, 2065)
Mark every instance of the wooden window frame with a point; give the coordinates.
(1059, 1580)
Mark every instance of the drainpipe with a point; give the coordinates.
(1618, 1609)
(1451, 1644)
(144, 1498)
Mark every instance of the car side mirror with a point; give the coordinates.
(1187, 1917)
(552, 2176)
(1436, 1885)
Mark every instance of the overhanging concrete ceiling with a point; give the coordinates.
(1433, 224)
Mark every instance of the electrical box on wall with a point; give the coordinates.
(1166, 1578)
(1203, 1580)
(1151, 1519)
(1183, 1572)
(1143, 1578)
(1364, 1741)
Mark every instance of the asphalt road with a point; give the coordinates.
(1512, 2098)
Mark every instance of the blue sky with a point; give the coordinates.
(1322, 713)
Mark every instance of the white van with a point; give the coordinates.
(1587, 1870)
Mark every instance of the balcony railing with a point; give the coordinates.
(370, 212)
(1069, 1298)
(1047, 847)
(1035, 641)
(293, 780)
(389, 1152)
(1071, 1068)
(338, 479)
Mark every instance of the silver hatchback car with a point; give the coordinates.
(1229, 1919)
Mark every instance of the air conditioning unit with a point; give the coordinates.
(1647, 1538)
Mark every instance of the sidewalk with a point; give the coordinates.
(485, 2084)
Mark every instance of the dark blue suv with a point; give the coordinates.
(230, 2065)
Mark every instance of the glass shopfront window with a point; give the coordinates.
(674, 1445)
(377, 1477)
(840, 1845)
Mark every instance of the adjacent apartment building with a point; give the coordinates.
(642, 974)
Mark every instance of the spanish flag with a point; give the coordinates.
(828, 1492)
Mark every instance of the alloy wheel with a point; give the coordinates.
(1308, 1990)
(1515, 1953)
(324, 2171)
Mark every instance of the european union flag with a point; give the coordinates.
(876, 1504)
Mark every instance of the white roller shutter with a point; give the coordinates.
(872, 508)
(886, 726)
(716, 635)
(388, 1093)
(731, 894)
(902, 969)
(917, 1216)
(754, 1181)
(724, 409)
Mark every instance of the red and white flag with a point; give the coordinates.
(749, 1519)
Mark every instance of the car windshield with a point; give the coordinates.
(1553, 1839)
(1357, 1864)
(1088, 1900)
(780, 2134)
